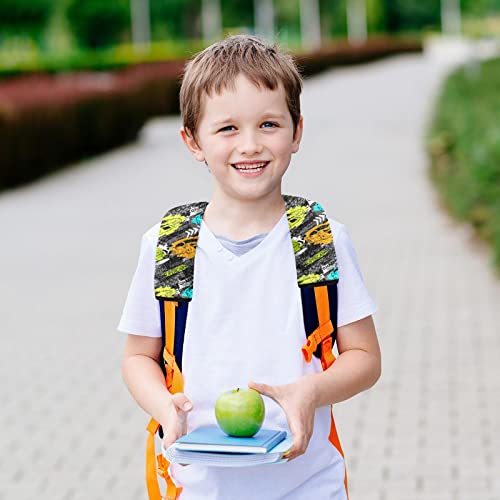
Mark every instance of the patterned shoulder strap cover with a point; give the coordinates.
(174, 270)
(310, 232)
(312, 242)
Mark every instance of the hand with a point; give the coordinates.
(298, 404)
(174, 423)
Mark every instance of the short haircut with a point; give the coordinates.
(217, 67)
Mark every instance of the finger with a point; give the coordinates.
(182, 402)
(266, 390)
(169, 439)
(299, 446)
(295, 451)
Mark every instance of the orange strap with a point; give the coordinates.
(324, 330)
(175, 383)
(322, 335)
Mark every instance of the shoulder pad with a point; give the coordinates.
(312, 242)
(174, 270)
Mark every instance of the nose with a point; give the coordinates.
(249, 143)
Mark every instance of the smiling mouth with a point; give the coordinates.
(250, 167)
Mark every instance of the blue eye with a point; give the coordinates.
(226, 128)
(270, 123)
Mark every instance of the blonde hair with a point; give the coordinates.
(217, 67)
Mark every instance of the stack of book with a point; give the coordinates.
(209, 445)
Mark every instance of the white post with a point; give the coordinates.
(141, 23)
(264, 19)
(356, 21)
(211, 20)
(310, 25)
(451, 18)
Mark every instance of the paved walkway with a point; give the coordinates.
(428, 430)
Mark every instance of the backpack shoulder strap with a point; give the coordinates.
(173, 287)
(175, 251)
(315, 258)
(317, 274)
(317, 277)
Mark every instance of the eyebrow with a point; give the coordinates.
(275, 116)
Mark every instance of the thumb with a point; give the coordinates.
(182, 402)
(264, 389)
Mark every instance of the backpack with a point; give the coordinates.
(317, 278)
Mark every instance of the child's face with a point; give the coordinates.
(246, 127)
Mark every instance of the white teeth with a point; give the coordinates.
(253, 167)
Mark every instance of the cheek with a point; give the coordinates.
(283, 148)
(217, 150)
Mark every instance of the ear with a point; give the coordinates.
(298, 135)
(191, 144)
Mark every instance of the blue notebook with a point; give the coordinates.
(211, 438)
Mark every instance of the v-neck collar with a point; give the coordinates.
(209, 241)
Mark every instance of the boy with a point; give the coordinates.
(240, 105)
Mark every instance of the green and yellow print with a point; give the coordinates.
(165, 292)
(160, 254)
(175, 270)
(297, 245)
(170, 224)
(308, 278)
(296, 216)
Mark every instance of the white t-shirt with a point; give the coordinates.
(245, 324)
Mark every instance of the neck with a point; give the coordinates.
(241, 219)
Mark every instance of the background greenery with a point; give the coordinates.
(464, 144)
(97, 23)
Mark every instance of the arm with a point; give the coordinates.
(356, 369)
(142, 375)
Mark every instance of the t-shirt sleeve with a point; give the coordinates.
(140, 314)
(354, 301)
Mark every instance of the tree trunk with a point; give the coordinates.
(356, 21)
(451, 23)
(211, 20)
(310, 24)
(141, 23)
(264, 19)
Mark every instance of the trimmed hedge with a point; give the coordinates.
(344, 54)
(48, 121)
(464, 148)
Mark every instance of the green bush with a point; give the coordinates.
(99, 23)
(49, 121)
(407, 15)
(24, 16)
(120, 56)
(464, 145)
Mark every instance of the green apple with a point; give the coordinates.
(240, 412)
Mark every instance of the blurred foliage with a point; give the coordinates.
(98, 23)
(116, 57)
(237, 13)
(175, 19)
(480, 7)
(24, 16)
(412, 14)
(69, 24)
(464, 145)
(57, 35)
